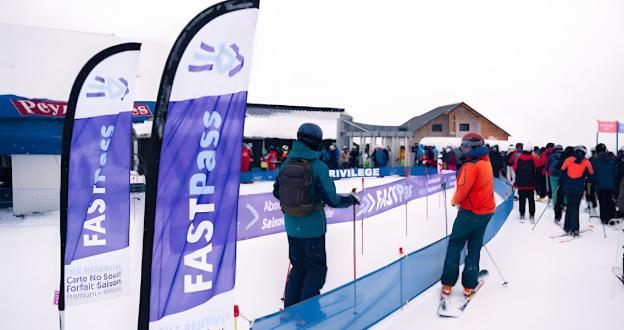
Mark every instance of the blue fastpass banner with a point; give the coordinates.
(189, 261)
(95, 179)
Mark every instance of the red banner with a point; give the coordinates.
(57, 109)
(607, 127)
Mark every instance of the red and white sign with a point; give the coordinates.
(40, 108)
(607, 126)
(57, 109)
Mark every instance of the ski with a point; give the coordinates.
(571, 238)
(448, 309)
(589, 227)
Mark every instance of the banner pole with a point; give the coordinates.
(363, 194)
(354, 263)
(406, 202)
(427, 191)
(617, 135)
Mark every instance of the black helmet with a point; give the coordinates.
(580, 150)
(601, 147)
(311, 135)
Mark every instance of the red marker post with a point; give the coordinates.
(236, 315)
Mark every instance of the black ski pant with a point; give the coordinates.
(607, 205)
(541, 186)
(572, 212)
(468, 229)
(524, 196)
(591, 194)
(309, 269)
(559, 203)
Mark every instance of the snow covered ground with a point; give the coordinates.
(552, 285)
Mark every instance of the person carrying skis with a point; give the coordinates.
(475, 197)
(575, 170)
(303, 187)
(527, 170)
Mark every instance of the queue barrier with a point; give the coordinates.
(362, 303)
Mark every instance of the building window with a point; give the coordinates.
(464, 127)
(436, 127)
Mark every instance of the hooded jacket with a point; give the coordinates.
(605, 171)
(475, 183)
(315, 223)
(526, 168)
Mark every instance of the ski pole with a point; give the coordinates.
(604, 231)
(445, 209)
(541, 215)
(354, 262)
(286, 282)
(617, 249)
(505, 283)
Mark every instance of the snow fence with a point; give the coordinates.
(370, 299)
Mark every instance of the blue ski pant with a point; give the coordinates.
(468, 230)
(309, 269)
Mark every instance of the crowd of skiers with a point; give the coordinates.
(565, 176)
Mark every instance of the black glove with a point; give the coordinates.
(355, 198)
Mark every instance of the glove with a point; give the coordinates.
(355, 198)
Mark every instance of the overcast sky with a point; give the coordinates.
(542, 70)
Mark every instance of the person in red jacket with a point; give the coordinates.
(246, 159)
(526, 168)
(271, 158)
(475, 196)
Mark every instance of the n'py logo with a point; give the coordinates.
(110, 88)
(221, 59)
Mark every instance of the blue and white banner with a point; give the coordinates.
(95, 179)
(189, 261)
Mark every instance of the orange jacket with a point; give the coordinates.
(475, 187)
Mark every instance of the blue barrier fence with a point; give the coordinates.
(370, 299)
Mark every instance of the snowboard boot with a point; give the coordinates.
(575, 233)
(521, 216)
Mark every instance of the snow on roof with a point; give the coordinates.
(284, 124)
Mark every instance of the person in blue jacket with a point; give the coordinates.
(303, 187)
(605, 173)
(381, 158)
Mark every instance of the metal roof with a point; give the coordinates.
(422, 120)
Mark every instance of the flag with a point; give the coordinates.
(607, 126)
(189, 247)
(95, 179)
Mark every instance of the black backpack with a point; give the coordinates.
(295, 184)
(525, 173)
